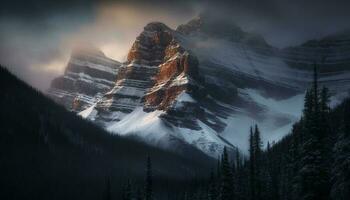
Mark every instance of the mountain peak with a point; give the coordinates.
(159, 86)
(156, 26)
(86, 49)
(221, 28)
(88, 73)
(193, 25)
(149, 47)
(212, 25)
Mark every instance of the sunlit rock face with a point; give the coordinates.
(160, 80)
(89, 73)
(158, 69)
(204, 84)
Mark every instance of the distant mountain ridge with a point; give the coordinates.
(207, 81)
(89, 74)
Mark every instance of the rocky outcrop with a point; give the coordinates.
(89, 74)
(157, 70)
(178, 74)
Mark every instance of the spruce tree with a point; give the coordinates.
(307, 112)
(269, 189)
(233, 168)
(218, 168)
(238, 177)
(212, 192)
(252, 165)
(238, 160)
(227, 190)
(294, 162)
(313, 174)
(341, 166)
(326, 138)
(127, 193)
(257, 161)
(149, 181)
(325, 100)
(108, 191)
(139, 195)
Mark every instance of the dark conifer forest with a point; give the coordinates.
(311, 163)
(49, 153)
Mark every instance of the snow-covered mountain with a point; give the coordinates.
(204, 83)
(160, 95)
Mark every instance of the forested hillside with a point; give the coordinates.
(49, 153)
(311, 163)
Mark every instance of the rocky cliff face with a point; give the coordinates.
(157, 70)
(89, 74)
(160, 81)
(203, 84)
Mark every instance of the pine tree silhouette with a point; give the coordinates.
(227, 190)
(252, 165)
(108, 191)
(313, 174)
(149, 180)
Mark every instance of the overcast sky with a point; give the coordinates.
(37, 35)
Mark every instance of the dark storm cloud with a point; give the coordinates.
(297, 20)
(285, 22)
(36, 9)
(31, 35)
(281, 8)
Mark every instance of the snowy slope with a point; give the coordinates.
(275, 121)
(154, 130)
